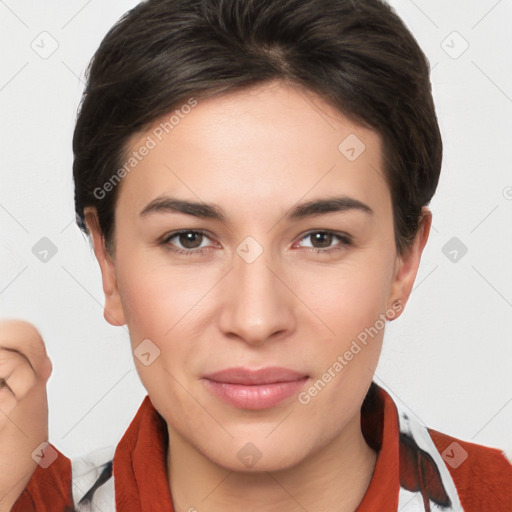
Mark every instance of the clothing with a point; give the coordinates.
(417, 469)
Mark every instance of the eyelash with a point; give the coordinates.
(346, 240)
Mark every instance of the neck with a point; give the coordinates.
(333, 479)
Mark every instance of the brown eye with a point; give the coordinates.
(322, 238)
(326, 242)
(190, 239)
(187, 242)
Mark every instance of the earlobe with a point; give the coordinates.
(407, 265)
(113, 310)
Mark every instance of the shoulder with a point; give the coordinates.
(80, 484)
(482, 475)
(454, 474)
(49, 485)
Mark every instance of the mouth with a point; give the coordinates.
(255, 389)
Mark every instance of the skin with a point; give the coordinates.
(256, 154)
(26, 367)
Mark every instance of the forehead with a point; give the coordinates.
(272, 143)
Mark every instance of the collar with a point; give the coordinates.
(140, 470)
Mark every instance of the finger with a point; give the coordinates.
(8, 403)
(23, 338)
(17, 374)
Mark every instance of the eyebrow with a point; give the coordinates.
(317, 207)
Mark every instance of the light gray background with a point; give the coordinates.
(448, 359)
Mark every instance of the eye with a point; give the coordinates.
(190, 242)
(321, 241)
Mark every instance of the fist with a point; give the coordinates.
(24, 365)
(24, 372)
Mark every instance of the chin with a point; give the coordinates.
(256, 457)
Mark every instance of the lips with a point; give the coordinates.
(247, 377)
(255, 389)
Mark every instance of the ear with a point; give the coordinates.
(406, 265)
(113, 311)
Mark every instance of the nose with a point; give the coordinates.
(258, 306)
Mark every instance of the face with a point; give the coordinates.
(256, 276)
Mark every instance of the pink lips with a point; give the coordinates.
(255, 389)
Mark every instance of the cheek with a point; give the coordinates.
(352, 305)
(154, 295)
(351, 302)
(349, 298)
(143, 304)
(156, 309)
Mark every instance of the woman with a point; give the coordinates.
(255, 178)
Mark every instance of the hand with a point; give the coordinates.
(24, 371)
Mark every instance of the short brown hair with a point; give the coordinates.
(356, 55)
